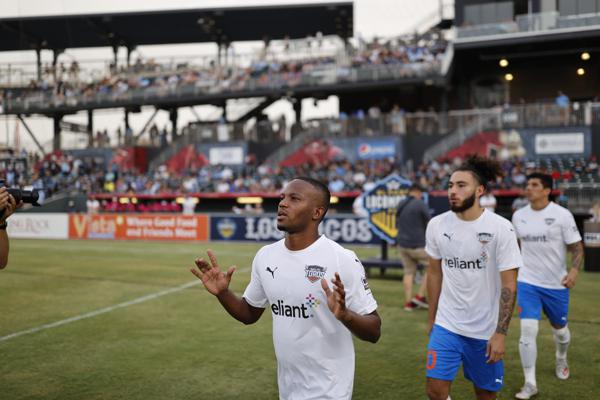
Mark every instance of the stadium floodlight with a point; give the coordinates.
(250, 200)
(181, 200)
(580, 71)
(585, 56)
(509, 77)
(503, 63)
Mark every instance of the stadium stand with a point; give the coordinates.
(423, 94)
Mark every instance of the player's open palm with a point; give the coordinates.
(214, 280)
(336, 298)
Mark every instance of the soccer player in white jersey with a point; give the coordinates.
(313, 323)
(473, 261)
(546, 232)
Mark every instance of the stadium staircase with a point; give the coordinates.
(293, 146)
(480, 143)
(485, 120)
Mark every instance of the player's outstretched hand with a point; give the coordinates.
(336, 298)
(214, 280)
(495, 348)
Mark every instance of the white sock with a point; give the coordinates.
(528, 348)
(562, 338)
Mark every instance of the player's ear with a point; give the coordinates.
(318, 213)
(480, 190)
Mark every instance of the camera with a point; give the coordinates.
(26, 196)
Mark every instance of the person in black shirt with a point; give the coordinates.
(412, 217)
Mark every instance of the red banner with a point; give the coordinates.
(138, 226)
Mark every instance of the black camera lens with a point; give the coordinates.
(26, 196)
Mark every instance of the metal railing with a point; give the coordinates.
(581, 196)
(535, 22)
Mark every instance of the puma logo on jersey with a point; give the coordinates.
(449, 236)
(499, 381)
(272, 271)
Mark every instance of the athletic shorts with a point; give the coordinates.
(411, 257)
(533, 299)
(447, 351)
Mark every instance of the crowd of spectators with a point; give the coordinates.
(67, 174)
(65, 85)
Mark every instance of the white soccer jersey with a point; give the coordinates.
(544, 234)
(315, 353)
(473, 254)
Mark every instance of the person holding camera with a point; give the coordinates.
(8, 205)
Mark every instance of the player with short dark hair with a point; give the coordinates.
(313, 341)
(546, 232)
(472, 282)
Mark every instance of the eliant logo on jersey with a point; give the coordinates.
(465, 264)
(304, 311)
(534, 238)
(314, 273)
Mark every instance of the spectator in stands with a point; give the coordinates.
(562, 101)
(520, 201)
(412, 217)
(397, 120)
(336, 185)
(8, 205)
(595, 212)
(163, 138)
(488, 201)
(189, 205)
(93, 206)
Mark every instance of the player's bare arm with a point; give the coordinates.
(365, 327)
(434, 288)
(9, 205)
(508, 294)
(217, 282)
(576, 250)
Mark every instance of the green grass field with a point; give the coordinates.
(182, 345)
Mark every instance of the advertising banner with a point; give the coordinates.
(376, 149)
(138, 226)
(348, 229)
(38, 226)
(557, 142)
(232, 155)
(560, 143)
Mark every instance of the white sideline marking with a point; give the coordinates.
(105, 310)
(100, 311)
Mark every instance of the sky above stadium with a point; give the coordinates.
(372, 17)
(382, 18)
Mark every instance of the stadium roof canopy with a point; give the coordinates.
(131, 29)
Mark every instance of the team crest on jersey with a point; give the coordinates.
(484, 237)
(365, 283)
(549, 221)
(314, 272)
